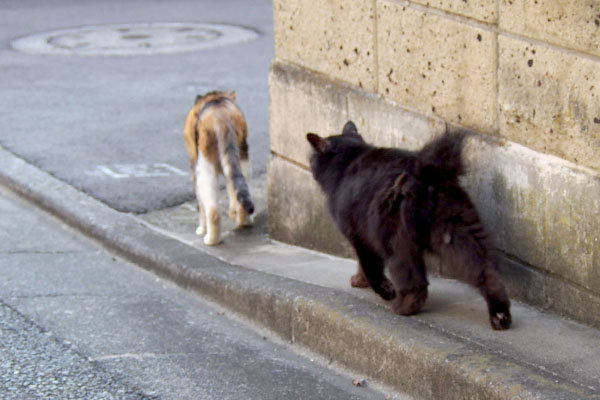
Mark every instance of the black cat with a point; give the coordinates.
(394, 204)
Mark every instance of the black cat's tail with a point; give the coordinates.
(441, 159)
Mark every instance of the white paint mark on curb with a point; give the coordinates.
(125, 171)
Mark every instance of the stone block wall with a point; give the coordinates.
(523, 74)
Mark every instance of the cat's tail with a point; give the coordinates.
(441, 159)
(229, 154)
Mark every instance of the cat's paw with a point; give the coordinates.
(210, 240)
(500, 321)
(359, 280)
(499, 311)
(200, 230)
(244, 220)
(410, 302)
(386, 290)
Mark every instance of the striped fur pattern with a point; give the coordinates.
(216, 139)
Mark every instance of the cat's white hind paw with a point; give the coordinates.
(243, 219)
(211, 241)
(201, 230)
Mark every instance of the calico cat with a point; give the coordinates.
(215, 136)
(394, 204)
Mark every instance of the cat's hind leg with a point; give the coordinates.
(466, 251)
(207, 189)
(242, 216)
(233, 202)
(234, 165)
(493, 292)
(371, 265)
(201, 230)
(407, 272)
(359, 279)
(236, 210)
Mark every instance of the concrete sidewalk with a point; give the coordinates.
(446, 352)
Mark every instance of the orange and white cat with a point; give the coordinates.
(216, 136)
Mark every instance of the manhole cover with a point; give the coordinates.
(133, 39)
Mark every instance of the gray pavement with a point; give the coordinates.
(34, 364)
(112, 125)
(77, 322)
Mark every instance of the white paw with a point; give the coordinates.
(201, 230)
(245, 220)
(211, 241)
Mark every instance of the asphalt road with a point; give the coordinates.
(111, 125)
(76, 322)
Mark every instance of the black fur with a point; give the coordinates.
(394, 204)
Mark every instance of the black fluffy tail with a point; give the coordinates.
(441, 159)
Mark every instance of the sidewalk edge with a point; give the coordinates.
(404, 353)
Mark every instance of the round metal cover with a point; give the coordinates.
(134, 39)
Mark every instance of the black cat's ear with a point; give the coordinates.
(318, 143)
(349, 129)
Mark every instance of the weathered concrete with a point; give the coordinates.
(549, 100)
(310, 106)
(437, 66)
(482, 10)
(335, 38)
(297, 213)
(540, 209)
(573, 24)
(524, 71)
